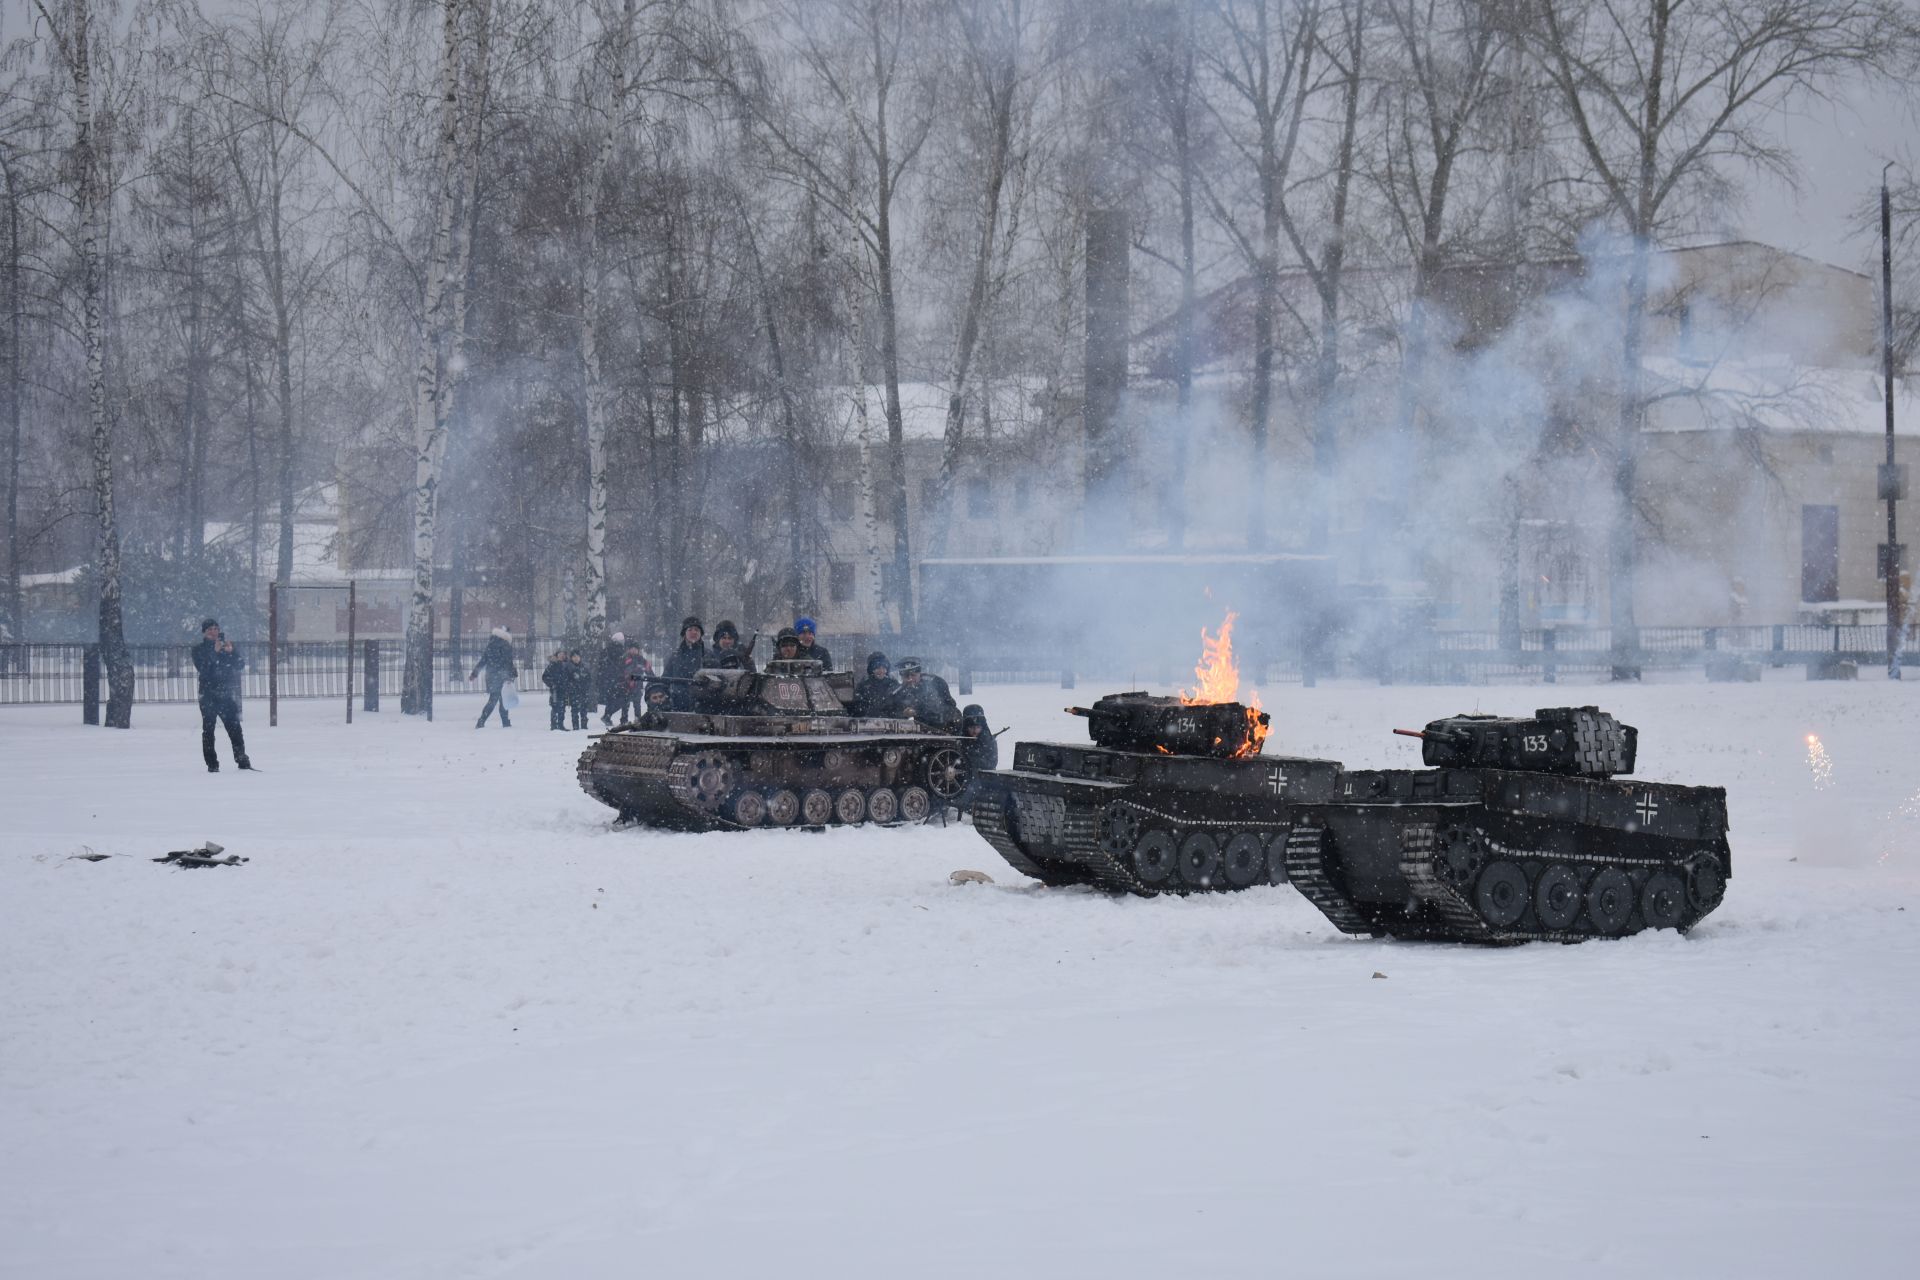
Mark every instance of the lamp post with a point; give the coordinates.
(1891, 480)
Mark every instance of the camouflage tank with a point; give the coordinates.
(773, 748)
(1519, 831)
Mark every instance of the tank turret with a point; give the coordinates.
(1141, 722)
(1581, 742)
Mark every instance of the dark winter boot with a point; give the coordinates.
(504, 722)
(244, 763)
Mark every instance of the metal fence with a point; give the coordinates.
(52, 673)
(56, 673)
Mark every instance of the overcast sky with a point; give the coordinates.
(1841, 147)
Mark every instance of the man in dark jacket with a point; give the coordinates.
(875, 695)
(983, 752)
(726, 652)
(806, 629)
(497, 661)
(220, 666)
(613, 679)
(926, 698)
(558, 677)
(685, 662)
(582, 689)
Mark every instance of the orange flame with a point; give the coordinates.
(1218, 675)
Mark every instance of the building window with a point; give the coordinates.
(1880, 559)
(1823, 452)
(979, 497)
(929, 492)
(1023, 493)
(840, 581)
(840, 500)
(1819, 554)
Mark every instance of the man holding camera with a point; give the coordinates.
(219, 665)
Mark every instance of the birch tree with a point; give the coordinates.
(1666, 98)
(462, 89)
(74, 44)
(613, 52)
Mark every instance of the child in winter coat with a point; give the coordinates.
(581, 692)
(558, 677)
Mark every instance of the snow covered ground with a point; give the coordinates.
(447, 1024)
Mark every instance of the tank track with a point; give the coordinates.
(658, 780)
(1070, 829)
(1479, 899)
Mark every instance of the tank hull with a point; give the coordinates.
(737, 773)
(1458, 854)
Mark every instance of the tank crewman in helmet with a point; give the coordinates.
(787, 643)
(983, 751)
(686, 660)
(726, 652)
(659, 701)
(926, 698)
(806, 629)
(875, 695)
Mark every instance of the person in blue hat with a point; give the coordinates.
(809, 647)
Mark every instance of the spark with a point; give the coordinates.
(1819, 762)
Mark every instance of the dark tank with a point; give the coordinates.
(772, 748)
(1521, 831)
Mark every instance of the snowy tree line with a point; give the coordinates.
(514, 271)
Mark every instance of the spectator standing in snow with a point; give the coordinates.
(220, 666)
(805, 628)
(497, 661)
(611, 670)
(558, 677)
(875, 695)
(581, 689)
(634, 669)
(726, 652)
(685, 662)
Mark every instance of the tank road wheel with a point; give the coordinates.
(1705, 884)
(1244, 861)
(946, 774)
(850, 806)
(749, 808)
(1500, 895)
(1462, 854)
(1663, 899)
(1556, 899)
(1277, 856)
(1199, 860)
(711, 779)
(816, 808)
(783, 808)
(915, 805)
(882, 805)
(1610, 901)
(1154, 858)
(1119, 830)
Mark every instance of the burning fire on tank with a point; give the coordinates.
(1218, 677)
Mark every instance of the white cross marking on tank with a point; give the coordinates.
(1277, 781)
(1647, 808)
